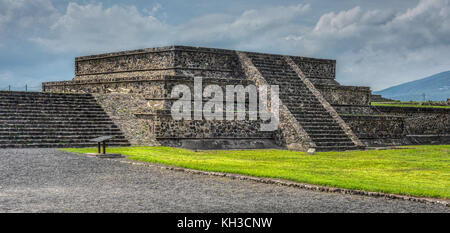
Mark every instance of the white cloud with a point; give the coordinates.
(26, 16)
(382, 48)
(93, 27)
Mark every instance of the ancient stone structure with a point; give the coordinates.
(134, 88)
(30, 119)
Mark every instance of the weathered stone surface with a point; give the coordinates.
(345, 95)
(375, 127)
(134, 88)
(348, 131)
(39, 120)
(121, 109)
(421, 121)
(290, 133)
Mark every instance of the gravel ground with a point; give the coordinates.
(47, 180)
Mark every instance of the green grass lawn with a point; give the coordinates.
(418, 171)
(406, 105)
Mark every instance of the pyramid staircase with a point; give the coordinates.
(324, 131)
(53, 120)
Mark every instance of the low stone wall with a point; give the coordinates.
(324, 81)
(345, 95)
(421, 121)
(316, 68)
(373, 127)
(354, 109)
(148, 86)
(167, 128)
(171, 60)
(138, 60)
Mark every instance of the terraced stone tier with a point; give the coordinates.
(47, 120)
(324, 131)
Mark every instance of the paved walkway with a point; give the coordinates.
(47, 180)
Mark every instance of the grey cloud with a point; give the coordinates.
(84, 27)
(25, 16)
(382, 48)
(375, 47)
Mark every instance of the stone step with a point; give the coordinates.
(57, 121)
(328, 136)
(320, 118)
(48, 115)
(332, 141)
(300, 102)
(51, 109)
(51, 118)
(57, 125)
(335, 143)
(25, 100)
(56, 133)
(297, 96)
(54, 136)
(286, 79)
(306, 108)
(61, 145)
(44, 113)
(46, 94)
(308, 113)
(52, 140)
(77, 127)
(89, 128)
(303, 111)
(33, 105)
(276, 73)
(48, 111)
(325, 125)
(312, 132)
(336, 148)
(328, 127)
(302, 115)
(316, 122)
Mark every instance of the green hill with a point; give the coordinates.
(435, 87)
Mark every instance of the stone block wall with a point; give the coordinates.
(354, 109)
(148, 60)
(376, 127)
(345, 95)
(121, 109)
(421, 121)
(316, 68)
(167, 128)
(172, 60)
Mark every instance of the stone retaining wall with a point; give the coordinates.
(376, 127)
(345, 95)
(421, 121)
(121, 108)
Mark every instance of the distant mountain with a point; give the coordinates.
(435, 87)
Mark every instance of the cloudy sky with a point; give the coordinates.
(376, 43)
